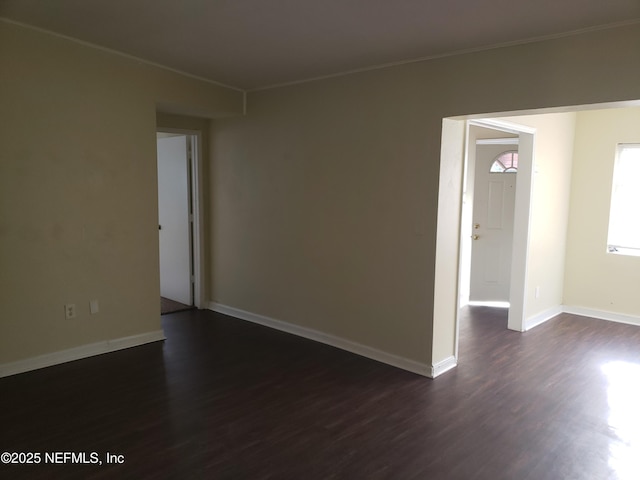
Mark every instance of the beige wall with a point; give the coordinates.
(323, 199)
(325, 195)
(595, 279)
(314, 220)
(78, 192)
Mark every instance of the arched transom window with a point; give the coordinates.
(506, 162)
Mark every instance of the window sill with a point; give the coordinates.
(630, 252)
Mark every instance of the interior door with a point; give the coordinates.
(173, 218)
(492, 233)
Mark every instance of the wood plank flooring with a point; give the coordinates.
(171, 306)
(225, 399)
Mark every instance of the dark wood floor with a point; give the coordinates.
(171, 306)
(225, 399)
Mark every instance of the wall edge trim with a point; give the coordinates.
(443, 366)
(325, 338)
(602, 315)
(78, 353)
(542, 317)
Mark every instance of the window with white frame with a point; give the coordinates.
(624, 217)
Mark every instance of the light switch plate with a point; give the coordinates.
(93, 306)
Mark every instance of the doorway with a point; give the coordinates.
(495, 218)
(540, 237)
(178, 220)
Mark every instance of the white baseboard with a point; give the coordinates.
(78, 353)
(338, 342)
(542, 317)
(603, 315)
(443, 366)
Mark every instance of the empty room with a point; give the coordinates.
(410, 246)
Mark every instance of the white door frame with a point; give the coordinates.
(194, 138)
(521, 222)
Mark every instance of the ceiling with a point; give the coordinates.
(251, 44)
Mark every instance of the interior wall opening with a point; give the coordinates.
(454, 236)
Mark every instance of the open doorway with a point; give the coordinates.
(495, 215)
(455, 230)
(177, 220)
(561, 242)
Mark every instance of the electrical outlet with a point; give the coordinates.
(537, 292)
(70, 311)
(93, 306)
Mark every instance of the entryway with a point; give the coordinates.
(176, 220)
(495, 216)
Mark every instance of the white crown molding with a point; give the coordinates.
(484, 48)
(119, 53)
(77, 353)
(455, 53)
(332, 340)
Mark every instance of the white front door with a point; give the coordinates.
(173, 218)
(492, 231)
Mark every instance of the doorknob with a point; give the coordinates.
(475, 237)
